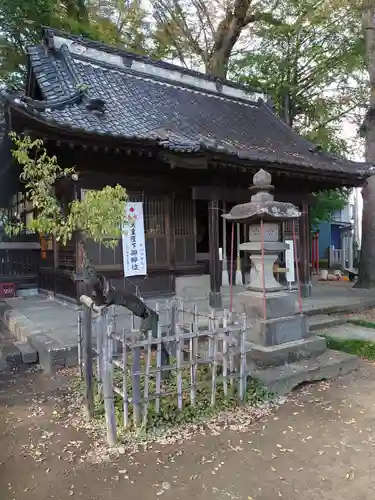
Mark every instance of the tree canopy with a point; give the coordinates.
(325, 203)
(112, 21)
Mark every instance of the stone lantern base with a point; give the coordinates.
(280, 324)
(281, 353)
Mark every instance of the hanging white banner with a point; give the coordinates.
(289, 261)
(133, 241)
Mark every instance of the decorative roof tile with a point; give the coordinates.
(179, 110)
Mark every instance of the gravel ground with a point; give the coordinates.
(319, 442)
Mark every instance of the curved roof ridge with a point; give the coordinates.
(50, 33)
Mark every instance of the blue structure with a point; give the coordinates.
(324, 239)
(336, 239)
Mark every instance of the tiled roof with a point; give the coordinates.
(93, 88)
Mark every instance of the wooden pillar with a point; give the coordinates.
(215, 275)
(305, 269)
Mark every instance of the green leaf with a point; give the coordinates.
(100, 215)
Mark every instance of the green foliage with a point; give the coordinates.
(325, 203)
(100, 215)
(111, 21)
(361, 348)
(312, 65)
(203, 34)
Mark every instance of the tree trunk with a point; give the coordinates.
(366, 278)
(226, 36)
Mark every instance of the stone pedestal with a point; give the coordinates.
(279, 323)
(278, 304)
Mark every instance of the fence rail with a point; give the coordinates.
(143, 368)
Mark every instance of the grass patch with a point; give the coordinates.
(361, 348)
(362, 322)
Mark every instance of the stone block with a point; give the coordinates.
(278, 304)
(280, 330)
(290, 352)
(40, 341)
(280, 380)
(52, 354)
(28, 353)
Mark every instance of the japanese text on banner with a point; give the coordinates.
(133, 242)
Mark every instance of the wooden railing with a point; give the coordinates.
(19, 260)
(338, 256)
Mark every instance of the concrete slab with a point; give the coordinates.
(351, 332)
(321, 321)
(281, 380)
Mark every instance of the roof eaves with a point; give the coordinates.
(313, 148)
(181, 144)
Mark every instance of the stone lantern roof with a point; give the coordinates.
(262, 205)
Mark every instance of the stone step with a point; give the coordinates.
(288, 352)
(351, 332)
(347, 306)
(28, 353)
(322, 321)
(16, 356)
(280, 380)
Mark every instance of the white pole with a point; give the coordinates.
(224, 271)
(239, 280)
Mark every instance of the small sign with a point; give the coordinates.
(7, 290)
(133, 241)
(289, 262)
(220, 254)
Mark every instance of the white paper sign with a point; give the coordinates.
(133, 242)
(289, 262)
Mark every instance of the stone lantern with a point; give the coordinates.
(265, 299)
(281, 353)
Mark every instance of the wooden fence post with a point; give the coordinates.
(136, 386)
(79, 341)
(100, 340)
(106, 364)
(87, 361)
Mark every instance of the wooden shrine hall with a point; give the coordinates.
(184, 144)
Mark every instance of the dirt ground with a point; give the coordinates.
(320, 443)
